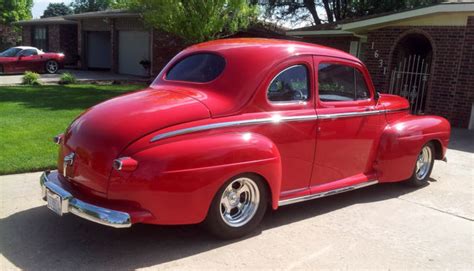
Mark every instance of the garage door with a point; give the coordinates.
(134, 46)
(98, 50)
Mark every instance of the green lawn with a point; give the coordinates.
(31, 115)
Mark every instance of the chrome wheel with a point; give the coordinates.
(52, 66)
(423, 163)
(239, 202)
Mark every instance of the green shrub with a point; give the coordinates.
(31, 78)
(67, 78)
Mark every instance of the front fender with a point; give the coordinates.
(176, 181)
(402, 141)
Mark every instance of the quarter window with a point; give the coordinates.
(198, 68)
(341, 83)
(290, 85)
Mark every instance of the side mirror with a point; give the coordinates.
(377, 96)
(20, 57)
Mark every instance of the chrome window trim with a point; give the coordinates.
(326, 193)
(274, 119)
(292, 101)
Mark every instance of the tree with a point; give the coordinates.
(80, 6)
(196, 20)
(329, 11)
(12, 11)
(56, 9)
(15, 10)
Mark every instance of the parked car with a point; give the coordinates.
(25, 58)
(232, 127)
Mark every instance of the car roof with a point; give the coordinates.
(26, 47)
(248, 62)
(278, 48)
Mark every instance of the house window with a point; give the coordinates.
(40, 38)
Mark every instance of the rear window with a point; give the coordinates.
(198, 68)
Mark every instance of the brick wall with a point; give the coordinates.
(26, 35)
(68, 43)
(447, 96)
(165, 47)
(54, 38)
(461, 108)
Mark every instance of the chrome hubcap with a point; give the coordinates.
(423, 163)
(239, 202)
(52, 66)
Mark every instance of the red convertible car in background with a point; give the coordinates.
(231, 127)
(24, 58)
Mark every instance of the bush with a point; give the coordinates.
(31, 78)
(67, 78)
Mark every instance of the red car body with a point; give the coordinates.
(35, 63)
(181, 141)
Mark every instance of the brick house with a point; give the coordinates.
(425, 55)
(52, 34)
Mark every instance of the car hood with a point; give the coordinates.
(99, 135)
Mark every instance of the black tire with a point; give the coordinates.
(52, 66)
(215, 221)
(417, 179)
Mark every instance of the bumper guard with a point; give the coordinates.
(70, 204)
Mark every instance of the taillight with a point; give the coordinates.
(125, 164)
(57, 139)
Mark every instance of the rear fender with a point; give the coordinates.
(178, 180)
(402, 141)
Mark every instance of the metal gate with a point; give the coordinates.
(410, 80)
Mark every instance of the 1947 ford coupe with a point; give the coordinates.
(231, 127)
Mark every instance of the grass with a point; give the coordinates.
(31, 115)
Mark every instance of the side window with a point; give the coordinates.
(291, 84)
(338, 82)
(28, 52)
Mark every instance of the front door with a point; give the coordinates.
(29, 60)
(349, 123)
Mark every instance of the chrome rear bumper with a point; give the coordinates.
(70, 204)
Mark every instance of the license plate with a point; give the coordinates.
(54, 202)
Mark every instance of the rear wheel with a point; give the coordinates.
(238, 207)
(52, 66)
(423, 166)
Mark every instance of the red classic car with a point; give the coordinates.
(24, 58)
(231, 127)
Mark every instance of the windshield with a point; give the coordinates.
(10, 52)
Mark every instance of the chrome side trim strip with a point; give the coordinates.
(326, 193)
(274, 119)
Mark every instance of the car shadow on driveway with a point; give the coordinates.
(37, 239)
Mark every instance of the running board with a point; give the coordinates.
(326, 193)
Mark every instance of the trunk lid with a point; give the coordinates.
(101, 133)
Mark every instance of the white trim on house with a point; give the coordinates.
(442, 8)
(320, 33)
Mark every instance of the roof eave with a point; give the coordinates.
(320, 33)
(378, 21)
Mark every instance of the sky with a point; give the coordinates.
(40, 5)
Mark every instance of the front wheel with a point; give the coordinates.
(52, 66)
(423, 166)
(238, 207)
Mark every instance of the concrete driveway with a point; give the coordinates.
(386, 226)
(81, 76)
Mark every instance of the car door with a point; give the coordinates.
(349, 122)
(287, 94)
(29, 60)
